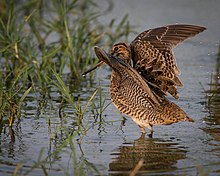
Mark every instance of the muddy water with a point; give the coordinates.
(115, 148)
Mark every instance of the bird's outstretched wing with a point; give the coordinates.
(153, 57)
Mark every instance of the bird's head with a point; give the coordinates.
(113, 61)
(122, 51)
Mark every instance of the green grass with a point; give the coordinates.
(43, 44)
(213, 94)
(44, 35)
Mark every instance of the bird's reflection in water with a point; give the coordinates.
(157, 154)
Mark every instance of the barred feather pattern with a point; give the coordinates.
(144, 72)
(152, 55)
(157, 68)
(128, 95)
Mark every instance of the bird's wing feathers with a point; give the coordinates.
(132, 78)
(153, 57)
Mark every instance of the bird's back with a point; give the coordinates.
(132, 96)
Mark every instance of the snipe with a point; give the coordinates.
(144, 72)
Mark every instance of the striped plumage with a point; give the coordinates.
(144, 72)
(131, 94)
(152, 55)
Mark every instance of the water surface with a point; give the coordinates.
(114, 148)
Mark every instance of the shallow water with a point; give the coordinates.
(114, 148)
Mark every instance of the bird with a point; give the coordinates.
(144, 72)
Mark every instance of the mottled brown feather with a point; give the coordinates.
(152, 55)
(133, 97)
(144, 72)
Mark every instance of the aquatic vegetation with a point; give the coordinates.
(213, 94)
(44, 48)
(47, 136)
(48, 39)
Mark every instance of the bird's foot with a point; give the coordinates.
(150, 135)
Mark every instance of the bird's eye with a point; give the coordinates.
(116, 48)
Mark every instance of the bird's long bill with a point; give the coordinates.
(109, 59)
(95, 67)
(102, 55)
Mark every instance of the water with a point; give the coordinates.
(114, 148)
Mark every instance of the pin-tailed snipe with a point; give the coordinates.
(144, 72)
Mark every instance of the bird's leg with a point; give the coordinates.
(150, 127)
(143, 131)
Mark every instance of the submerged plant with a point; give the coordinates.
(43, 45)
(48, 34)
(213, 94)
